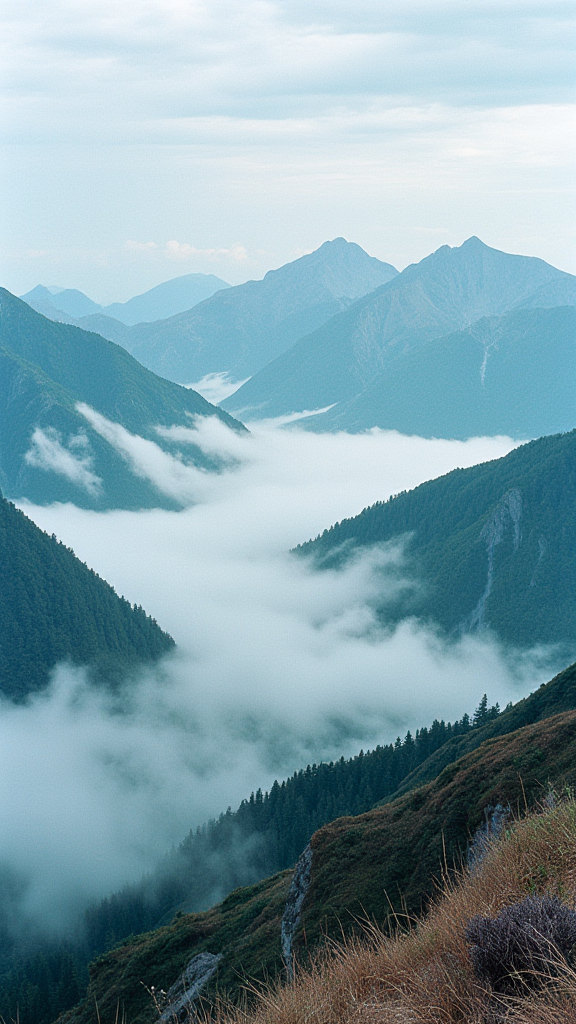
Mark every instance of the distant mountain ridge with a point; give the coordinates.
(512, 374)
(492, 547)
(48, 450)
(449, 291)
(162, 301)
(241, 329)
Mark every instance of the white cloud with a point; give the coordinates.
(184, 251)
(215, 387)
(147, 460)
(74, 462)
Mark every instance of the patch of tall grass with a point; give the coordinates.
(424, 973)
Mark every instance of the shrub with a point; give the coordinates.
(520, 947)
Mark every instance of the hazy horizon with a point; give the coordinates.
(226, 138)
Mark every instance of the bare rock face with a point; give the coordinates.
(496, 817)
(293, 909)
(181, 995)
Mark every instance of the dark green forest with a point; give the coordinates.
(53, 609)
(492, 547)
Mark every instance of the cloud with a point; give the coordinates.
(74, 462)
(169, 474)
(184, 251)
(277, 666)
(215, 387)
(140, 247)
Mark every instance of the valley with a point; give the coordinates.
(368, 705)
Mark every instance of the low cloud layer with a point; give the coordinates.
(276, 666)
(74, 461)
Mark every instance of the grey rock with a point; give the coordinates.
(293, 909)
(181, 995)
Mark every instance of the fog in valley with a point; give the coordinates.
(277, 666)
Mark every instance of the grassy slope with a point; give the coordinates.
(392, 855)
(425, 975)
(245, 927)
(395, 852)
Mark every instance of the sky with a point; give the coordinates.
(154, 138)
(277, 666)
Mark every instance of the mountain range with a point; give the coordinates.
(240, 330)
(455, 345)
(492, 547)
(49, 450)
(470, 341)
(163, 300)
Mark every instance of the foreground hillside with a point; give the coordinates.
(490, 547)
(495, 946)
(366, 866)
(49, 450)
(53, 608)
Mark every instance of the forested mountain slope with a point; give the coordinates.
(53, 608)
(362, 868)
(490, 547)
(269, 831)
(241, 329)
(48, 450)
(446, 292)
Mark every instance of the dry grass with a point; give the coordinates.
(424, 975)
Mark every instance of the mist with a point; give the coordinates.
(277, 666)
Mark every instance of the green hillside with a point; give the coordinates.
(46, 368)
(268, 832)
(390, 857)
(53, 608)
(492, 547)
(362, 868)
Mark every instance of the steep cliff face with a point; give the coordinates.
(507, 513)
(293, 909)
